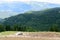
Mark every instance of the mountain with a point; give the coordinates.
(39, 20)
(1, 21)
(8, 9)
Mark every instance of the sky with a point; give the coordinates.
(9, 7)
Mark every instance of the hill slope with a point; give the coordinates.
(39, 20)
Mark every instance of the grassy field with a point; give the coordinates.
(7, 33)
(30, 36)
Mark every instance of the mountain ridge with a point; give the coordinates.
(39, 20)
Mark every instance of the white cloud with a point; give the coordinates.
(5, 10)
(9, 1)
(13, 0)
(50, 1)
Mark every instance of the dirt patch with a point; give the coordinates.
(40, 34)
(33, 36)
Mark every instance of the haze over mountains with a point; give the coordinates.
(14, 8)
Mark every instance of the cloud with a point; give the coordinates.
(50, 1)
(6, 10)
(14, 0)
(27, 1)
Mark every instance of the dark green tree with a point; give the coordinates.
(54, 28)
(8, 28)
(2, 28)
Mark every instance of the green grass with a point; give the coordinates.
(8, 32)
(14, 32)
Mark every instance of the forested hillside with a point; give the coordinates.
(45, 20)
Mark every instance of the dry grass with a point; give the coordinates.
(35, 36)
(25, 38)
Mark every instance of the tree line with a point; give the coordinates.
(16, 27)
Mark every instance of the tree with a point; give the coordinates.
(30, 29)
(54, 28)
(15, 27)
(8, 28)
(2, 28)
